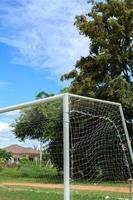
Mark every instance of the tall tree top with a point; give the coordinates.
(109, 28)
(107, 71)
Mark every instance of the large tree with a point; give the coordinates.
(44, 123)
(107, 71)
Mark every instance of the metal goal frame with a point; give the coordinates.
(65, 97)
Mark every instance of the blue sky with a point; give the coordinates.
(38, 43)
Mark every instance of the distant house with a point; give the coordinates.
(19, 152)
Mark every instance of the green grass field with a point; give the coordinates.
(32, 173)
(37, 194)
(36, 174)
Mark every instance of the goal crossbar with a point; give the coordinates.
(48, 99)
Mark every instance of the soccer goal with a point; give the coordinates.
(85, 151)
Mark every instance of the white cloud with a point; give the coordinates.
(11, 114)
(7, 137)
(8, 118)
(4, 83)
(42, 33)
(5, 132)
(3, 126)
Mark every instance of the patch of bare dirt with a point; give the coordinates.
(74, 187)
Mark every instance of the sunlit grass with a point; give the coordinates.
(39, 194)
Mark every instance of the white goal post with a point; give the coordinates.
(84, 119)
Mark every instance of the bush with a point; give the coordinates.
(5, 155)
(2, 163)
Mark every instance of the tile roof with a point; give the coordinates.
(16, 149)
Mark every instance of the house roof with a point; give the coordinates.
(16, 149)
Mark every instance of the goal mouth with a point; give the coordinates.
(83, 146)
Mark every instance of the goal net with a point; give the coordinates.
(33, 133)
(77, 148)
(100, 151)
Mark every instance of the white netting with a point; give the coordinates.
(100, 163)
(99, 151)
(38, 125)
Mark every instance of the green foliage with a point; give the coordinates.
(5, 155)
(64, 90)
(46, 158)
(107, 72)
(25, 161)
(43, 122)
(43, 94)
(120, 90)
(29, 172)
(30, 124)
(2, 163)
